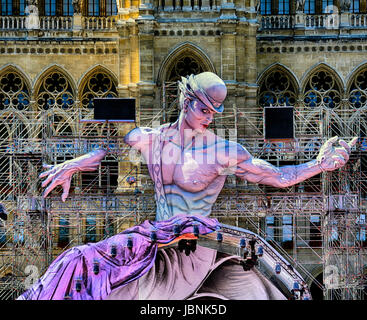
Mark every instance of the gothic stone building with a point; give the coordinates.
(56, 56)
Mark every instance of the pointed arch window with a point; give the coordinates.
(98, 85)
(56, 7)
(357, 94)
(327, 6)
(91, 228)
(13, 7)
(67, 8)
(63, 236)
(322, 89)
(50, 7)
(184, 66)
(6, 7)
(277, 89)
(55, 91)
(13, 91)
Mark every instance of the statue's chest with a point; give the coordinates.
(192, 169)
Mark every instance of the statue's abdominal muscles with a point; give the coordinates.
(201, 202)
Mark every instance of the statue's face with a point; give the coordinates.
(198, 116)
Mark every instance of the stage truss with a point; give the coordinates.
(323, 217)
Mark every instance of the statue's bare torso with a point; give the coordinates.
(192, 175)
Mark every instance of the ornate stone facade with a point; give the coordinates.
(309, 60)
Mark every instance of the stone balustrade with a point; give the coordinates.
(267, 22)
(45, 23)
(277, 22)
(358, 20)
(313, 21)
(12, 23)
(187, 5)
(56, 23)
(99, 23)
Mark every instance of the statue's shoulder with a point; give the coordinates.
(141, 136)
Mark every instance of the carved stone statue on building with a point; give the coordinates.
(258, 6)
(77, 6)
(345, 5)
(32, 17)
(32, 3)
(300, 6)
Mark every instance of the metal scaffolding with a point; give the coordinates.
(318, 223)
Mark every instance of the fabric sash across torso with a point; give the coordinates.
(155, 169)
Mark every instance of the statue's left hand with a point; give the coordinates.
(331, 157)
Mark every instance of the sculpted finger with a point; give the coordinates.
(43, 174)
(47, 166)
(353, 141)
(66, 188)
(344, 153)
(46, 173)
(331, 141)
(47, 181)
(52, 186)
(345, 145)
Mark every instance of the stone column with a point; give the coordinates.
(345, 20)
(145, 30)
(300, 22)
(124, 58)
(77, 23)
(250, 54)
(134, 55)
(250, 74)
(125, 76)
(228, 64)
(228, 54)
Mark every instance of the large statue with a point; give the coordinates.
(189, 164)
(193, 162)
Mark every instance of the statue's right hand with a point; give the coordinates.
(60, 174)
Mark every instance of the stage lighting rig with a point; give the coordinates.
(95, 266)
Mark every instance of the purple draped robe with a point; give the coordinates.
(76, 264)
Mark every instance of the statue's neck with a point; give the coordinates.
(187, 134)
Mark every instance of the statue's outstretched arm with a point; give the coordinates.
(328, 159)
(62, 173)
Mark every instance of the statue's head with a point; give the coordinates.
(206, 87)
(201, 96)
